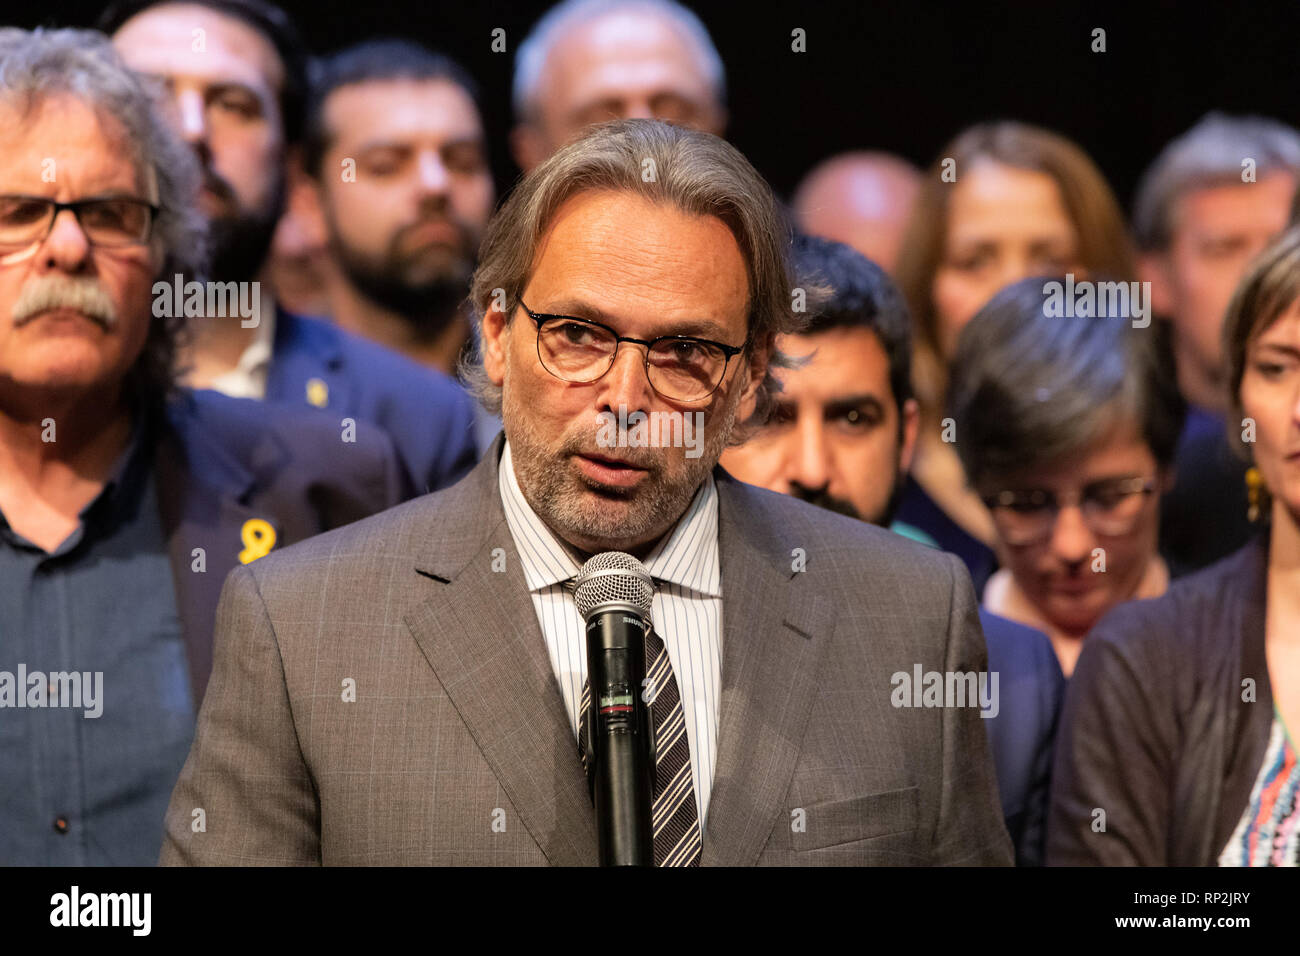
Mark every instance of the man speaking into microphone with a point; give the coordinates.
(410, 689)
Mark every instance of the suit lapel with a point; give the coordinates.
(307, 365)
(201, 493)
(774, 632)
(479, 632)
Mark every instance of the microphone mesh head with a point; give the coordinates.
(613, 577)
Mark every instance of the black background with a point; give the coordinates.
(899, 76)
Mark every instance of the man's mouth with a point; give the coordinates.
(431, 232)
(1072, 587)
(62, 314)
(611, 471)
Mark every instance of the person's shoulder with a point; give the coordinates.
(1180, 635)
(377, 365)
(835, 541)
(364, 549)
(1019, 639)
(1180, 614)
(1019, 649)
(252, 431)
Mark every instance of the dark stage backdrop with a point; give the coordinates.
(901, 76)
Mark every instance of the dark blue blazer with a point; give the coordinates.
(1023, 734)
(226, 465)
(428, 416)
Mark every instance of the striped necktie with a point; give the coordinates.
(675, 818)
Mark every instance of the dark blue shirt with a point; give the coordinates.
(78, 789)
(1203, 517)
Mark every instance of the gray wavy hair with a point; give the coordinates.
(696, 172)
(37, 64)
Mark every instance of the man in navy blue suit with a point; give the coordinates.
(841, 436)
(124, 501)
(238, 101)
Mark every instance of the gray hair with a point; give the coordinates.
(38, 64)
(696, 172)
(1209, 154)
(563, 17)
(1029, 389)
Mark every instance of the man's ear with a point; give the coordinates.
(496, 340)
(1166, 478)
(1153, 267)
(760, 354)
(528, 146)
(307, 202)
(309, 206)
(911, 415)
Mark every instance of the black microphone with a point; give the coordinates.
(613, 594)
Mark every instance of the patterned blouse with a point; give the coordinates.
(1269, 831)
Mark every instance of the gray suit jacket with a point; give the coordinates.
(454, 747)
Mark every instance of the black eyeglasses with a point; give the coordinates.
(111, 223)
(680, 367)
(1110, 508)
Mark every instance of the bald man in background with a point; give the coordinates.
(860, 199)
(590, 61)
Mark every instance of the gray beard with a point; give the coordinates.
(565, 502)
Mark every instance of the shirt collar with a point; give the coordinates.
(687, 556)
(248, 378)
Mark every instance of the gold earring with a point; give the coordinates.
(1254, 493)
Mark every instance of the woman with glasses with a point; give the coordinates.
(1066, 428)
(1003, 201)
(1179, 724)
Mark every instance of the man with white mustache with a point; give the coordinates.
(45, 293)
(124, 499)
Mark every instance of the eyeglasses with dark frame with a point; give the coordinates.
(1110, 508)
(110, 222)
(681, 368)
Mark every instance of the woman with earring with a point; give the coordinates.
(1176, 744)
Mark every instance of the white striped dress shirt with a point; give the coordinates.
(686, 612)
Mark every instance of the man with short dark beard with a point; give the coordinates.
(395, 150)
(428, 666)
(235, 74)
(841, 437)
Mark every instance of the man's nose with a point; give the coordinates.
(432, 175)
(626, 384)
(811, 464)
(1072, 540)
(1014, 267)
(66, 248)
(192, 115)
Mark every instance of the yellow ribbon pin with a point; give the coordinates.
(318, 393)
(258, 537)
